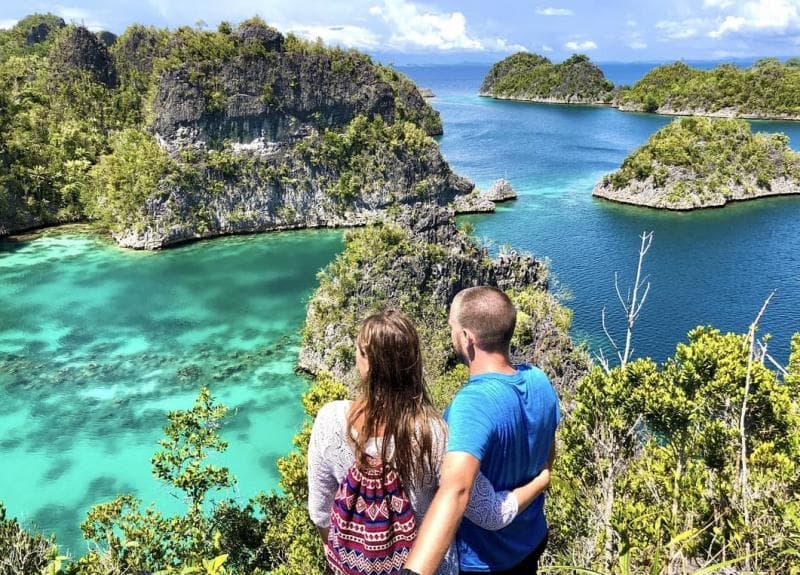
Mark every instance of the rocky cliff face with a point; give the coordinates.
(416, 260)
(275, 186)
(271, 99)
(253, 123)
(264, 93)
(82, 51)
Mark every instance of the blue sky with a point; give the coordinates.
(479, 30)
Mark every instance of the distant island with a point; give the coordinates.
(534, 78)
(766, 90)
(704, 162)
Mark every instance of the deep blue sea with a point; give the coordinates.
(712, 267)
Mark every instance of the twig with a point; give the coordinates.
(772, 360)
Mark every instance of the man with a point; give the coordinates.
(503, 423)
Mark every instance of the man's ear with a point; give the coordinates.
(469, 337)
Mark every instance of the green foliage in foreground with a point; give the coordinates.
(650, 453)
(530, 76)
(648, 478)
(708, 156)
(768, 89)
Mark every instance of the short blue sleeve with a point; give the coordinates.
(470, 427)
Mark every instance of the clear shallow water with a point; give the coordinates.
(97, 343)
(709, 267)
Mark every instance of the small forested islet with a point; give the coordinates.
(534, 78)
(704, 162)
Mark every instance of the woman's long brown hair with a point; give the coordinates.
(394, 401)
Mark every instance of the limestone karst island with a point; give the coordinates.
(199, 206)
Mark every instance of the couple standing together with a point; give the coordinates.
(490, 461)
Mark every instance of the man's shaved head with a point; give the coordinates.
(488, 313)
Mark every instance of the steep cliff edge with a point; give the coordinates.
(704, 162)
(416, 260)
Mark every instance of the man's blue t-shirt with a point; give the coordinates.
(508, 423)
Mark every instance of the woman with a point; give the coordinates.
(393, 420)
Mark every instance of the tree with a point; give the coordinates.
(147, 541)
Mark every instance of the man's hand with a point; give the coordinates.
(441, 522)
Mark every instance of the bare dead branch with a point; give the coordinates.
(608, 335)
(768, 357)
(603, 361)
(751, 339)
(632, 304)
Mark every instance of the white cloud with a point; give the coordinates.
(545, 48)
(760, 17)
(631, 23)
(80, 16)
(414, 27)
(730, 24)
(344, 35)
(6, 24)
(581, 46)
(679, 30)
(637, 45)
(502, 45)
(554, 11)
(717, 3)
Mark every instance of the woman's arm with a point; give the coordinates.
(322, 482)
(493, 510)
(526, 494)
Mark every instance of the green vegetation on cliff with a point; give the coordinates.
(71, 103)
(697, 162)
(768, 89)
(527, 76)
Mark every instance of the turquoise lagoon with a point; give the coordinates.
(97, 343)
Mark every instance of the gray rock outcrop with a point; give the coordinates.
(275, 98)
(679, 194)
(431, 262)
(287, 191)
(500, 191)
(40, 31)
(82, 51)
